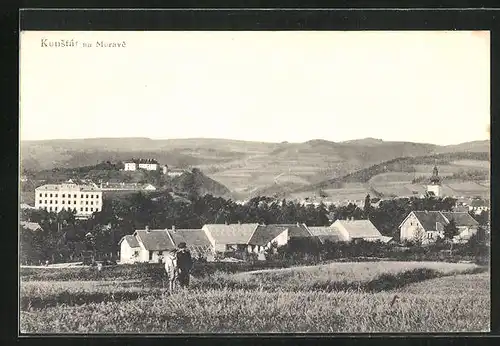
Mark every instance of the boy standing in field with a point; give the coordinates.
(184, 264)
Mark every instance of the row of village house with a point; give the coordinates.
(151, 245)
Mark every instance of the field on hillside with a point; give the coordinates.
(332, 298)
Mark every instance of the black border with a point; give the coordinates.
(362, 19)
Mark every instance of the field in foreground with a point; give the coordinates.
(346, 297)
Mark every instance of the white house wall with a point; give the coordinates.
(215, 247)
(343, 232)
(127, 252)
(409, 228)
(143, 253)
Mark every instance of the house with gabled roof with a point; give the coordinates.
(326, 234)
(151, 245)
(352, 230)
(129, 249)
(232, 237)
(429, 225)
(196, 241)
(265, 235)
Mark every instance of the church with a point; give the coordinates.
(434, 186)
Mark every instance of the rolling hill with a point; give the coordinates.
(245, 168)
(462, 173)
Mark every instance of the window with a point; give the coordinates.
(74, 196)
(86, 196)
(429, 235)
(160, 253)
(40, 195)
(86, 209)
(81, 209)
(50, 208)
(45, 195)
(50, 195)
(92, 202)
(91, 196)
(81, 196)
(74, 202)
(62, 202)
(55, 202)
(411, 223)
(45, 201)
(50, 201)
(63, 195)
(150, 255)
(86, 202)
(96, 202)
(56, 194)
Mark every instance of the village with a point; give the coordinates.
(239, 241)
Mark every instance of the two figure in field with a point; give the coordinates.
(178, 264)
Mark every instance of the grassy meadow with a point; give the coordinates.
(333, 298)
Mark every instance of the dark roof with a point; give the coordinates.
(326, 233)
(265, 233)
(155, 240)
(329, 237)
(131, 240)
(297, 231)
(429, 219)
(192, 237)
(460, 218)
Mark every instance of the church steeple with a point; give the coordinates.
(435, 176)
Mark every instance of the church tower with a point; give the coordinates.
(434, 186)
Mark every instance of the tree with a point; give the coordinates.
(418, 236)
(450, 230)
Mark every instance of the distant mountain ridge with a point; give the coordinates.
(242, 166)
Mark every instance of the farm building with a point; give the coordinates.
(265, 235)
(325, 234)
(233, 237)
(350, 230)
(152, 245)
(429, 225)
(196, 240)
(129, 249)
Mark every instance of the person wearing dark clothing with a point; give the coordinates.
(184, 264)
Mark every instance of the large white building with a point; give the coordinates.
(82, 199)
(146, 164)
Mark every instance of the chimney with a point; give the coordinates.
(147, 228)
(173, 228)
(298, 225)
(239, 222)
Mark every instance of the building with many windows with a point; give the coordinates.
(82, 199)
(146, 164)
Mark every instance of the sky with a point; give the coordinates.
(422, 86)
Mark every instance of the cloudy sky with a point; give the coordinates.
(431, 87)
